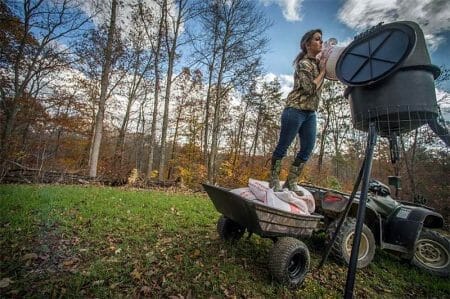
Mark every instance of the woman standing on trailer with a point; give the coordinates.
(299, 114)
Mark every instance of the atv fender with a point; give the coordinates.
(404, 225)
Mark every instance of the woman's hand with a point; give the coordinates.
(324, 58)
(322, 65)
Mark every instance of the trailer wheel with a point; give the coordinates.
(229, 230)
(432, 253)
(342, 247)
(289, 261)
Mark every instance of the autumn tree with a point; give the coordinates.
(155, 34)
(334, 123)
(176, 12)
(139, 57)
(230, 43)
(31, 32)
(267, 105)
(104, 84)
(187, 99)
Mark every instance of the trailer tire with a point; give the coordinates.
(431, 253)
(229, 230)
(289, 261)
(342, 247)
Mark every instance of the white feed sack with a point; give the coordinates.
(285, 200)
(245, 193)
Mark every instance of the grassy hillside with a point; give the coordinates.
(71, 241)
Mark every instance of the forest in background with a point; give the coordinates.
(85, 89)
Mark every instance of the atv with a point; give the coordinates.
(404, 228)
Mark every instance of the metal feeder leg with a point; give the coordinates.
(371, 141)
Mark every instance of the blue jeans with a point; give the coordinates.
(293, 122)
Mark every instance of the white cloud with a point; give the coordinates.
(345, 42)
(286, 82)
(433, 16)
(291, 8)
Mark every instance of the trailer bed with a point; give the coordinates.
(261, 219)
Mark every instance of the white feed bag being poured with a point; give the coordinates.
(332, 52)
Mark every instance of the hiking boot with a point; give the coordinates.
(291, 181)
(275, 175)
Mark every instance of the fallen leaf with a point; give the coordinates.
(5, 282)
(98, 282)
(30, 256)
(71, 263)
(196, 278)
(136, 274)
(146, 291)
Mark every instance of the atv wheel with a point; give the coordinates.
(342, 247)
(432, 253)
(289, 261)
(229, 230)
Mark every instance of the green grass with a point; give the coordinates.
(73, 241)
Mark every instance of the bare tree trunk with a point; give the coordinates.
(156, 97)
(139, 143)
(98, 131)
(256, 137)
(211, 65)
(323, 136)
(240, 134)
(216, 118)
(214, 139)
(174, 140)
(208, 96)
(137, 79)
(171, 53)
(410, 165)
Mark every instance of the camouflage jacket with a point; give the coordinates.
(305, 95)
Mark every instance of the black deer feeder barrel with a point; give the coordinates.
(390, 78)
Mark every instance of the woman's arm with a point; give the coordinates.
(319, 80)
(305, 79)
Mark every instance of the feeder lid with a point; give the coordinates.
(375, 54)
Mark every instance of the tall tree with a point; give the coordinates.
(187, 89)
(104, 83)
(271, 116)
(266, 104)
(172, 28)
(233, 33)
(140, 60)
(335, 124)
(147, 15)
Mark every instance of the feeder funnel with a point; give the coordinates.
(390, 78)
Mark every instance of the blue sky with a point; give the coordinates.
(343, 19)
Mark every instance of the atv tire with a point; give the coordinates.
(289, 261)
(342, 247)
(432, 253)
(229, 230)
